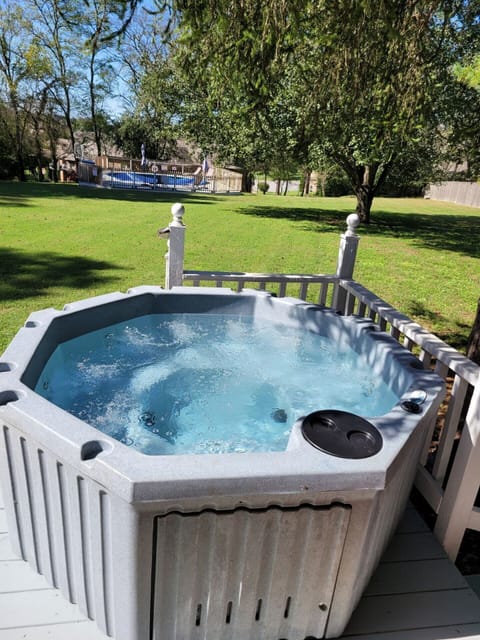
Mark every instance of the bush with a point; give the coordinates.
(263, 187)
(337, 184)
(8, 168)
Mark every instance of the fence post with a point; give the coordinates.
(175, 232)
(347, 254)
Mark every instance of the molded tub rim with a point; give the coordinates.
(137, 477)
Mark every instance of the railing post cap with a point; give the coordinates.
(353, 220)
(178, 211)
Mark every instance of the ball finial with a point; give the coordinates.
(353, 220)
(178, 211)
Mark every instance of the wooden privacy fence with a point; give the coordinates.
(455, 191)
(448, 475)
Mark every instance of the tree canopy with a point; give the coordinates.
(376, 89)
(357, 81)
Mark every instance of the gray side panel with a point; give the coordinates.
(61, 522)
(266, 574)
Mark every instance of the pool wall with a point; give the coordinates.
(269, 545)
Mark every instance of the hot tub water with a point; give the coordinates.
(193, 383)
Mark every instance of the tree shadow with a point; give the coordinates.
(457, 338)
(331, 219)
(16, 194)
(457, 233)
(24, 275)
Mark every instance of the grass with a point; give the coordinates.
(61, 243)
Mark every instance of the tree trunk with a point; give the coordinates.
(364, 202)
(19, 154)
(53, 153)
(473, 344)
(18, 138)
(277, 187)
(306, 184)
(93, 101)
(247, 182)
(38, 145)
(365, 180)
(322, 183)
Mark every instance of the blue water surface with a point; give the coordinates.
(204, 383)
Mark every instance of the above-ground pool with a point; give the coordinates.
(136, 179)
(198, 463)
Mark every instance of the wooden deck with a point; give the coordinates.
(415, 594)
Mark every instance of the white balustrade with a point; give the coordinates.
(454, 502)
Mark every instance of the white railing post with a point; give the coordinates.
(175, 232)
(347, 254)
(462, 486)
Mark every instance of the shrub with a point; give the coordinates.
(263, 187)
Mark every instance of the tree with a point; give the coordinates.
(468, 76)
(460, 130)
(100, 26)
(155, 115)
(473, 344)
(13, 75)
(154, 93)
(361, 77)
(50, 24)
(8, 165)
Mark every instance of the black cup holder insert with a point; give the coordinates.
(342, 434)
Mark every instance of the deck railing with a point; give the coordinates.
(448, 475)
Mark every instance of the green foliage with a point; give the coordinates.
(460, 105)
(156, 92)
(354, 82)
(470, 73)
(278, 87)
(335, 183)
(55, 64)
(263, 187)
(154, 120)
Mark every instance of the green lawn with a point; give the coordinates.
(61, 243)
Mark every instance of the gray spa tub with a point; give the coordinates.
(270, 545)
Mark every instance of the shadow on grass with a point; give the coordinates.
(24, 275)
(453, 333)
(330, 219)
(16, 194)
(457, 233)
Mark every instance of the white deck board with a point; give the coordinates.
(36, 608)
(415, 594)
(85, 630)
(16, 575)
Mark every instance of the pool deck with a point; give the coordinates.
(415, 594)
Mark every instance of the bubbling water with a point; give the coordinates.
(169, 384)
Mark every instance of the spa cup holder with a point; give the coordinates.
(342, 434)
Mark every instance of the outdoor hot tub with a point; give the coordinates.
(208, 488)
